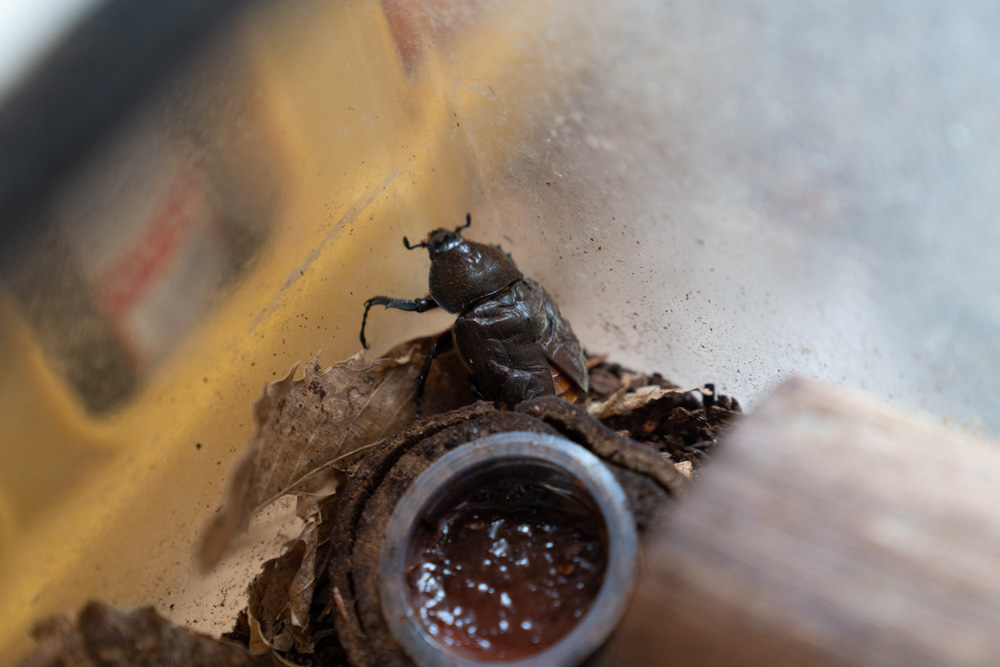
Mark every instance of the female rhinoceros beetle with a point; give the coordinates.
(509, 333)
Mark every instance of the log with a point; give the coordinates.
(828, 530)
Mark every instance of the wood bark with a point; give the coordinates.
(828, 530)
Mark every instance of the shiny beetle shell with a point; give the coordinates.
(450, 284)
(509, 332)
(509, 341)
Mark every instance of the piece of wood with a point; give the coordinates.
(827, 530)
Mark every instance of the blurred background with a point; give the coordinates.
(195, 196)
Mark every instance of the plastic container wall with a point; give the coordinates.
(727, 192)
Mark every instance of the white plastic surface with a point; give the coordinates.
(739, 192)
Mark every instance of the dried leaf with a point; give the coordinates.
(270, 604)
(303, 428)
(110, 637)
(626, 400)
(281, 596)
(684, 424)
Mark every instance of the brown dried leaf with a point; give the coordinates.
(281, 596)
(271, 604)
(111, 637)
(304, 428)
(685, 468)
(625, 400)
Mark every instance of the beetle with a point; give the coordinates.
(509, 332)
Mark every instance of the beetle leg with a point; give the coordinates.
(442, 344)
(477, 391)
(415, 305)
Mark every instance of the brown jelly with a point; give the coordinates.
(509, 570)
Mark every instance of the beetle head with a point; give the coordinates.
(442, 240)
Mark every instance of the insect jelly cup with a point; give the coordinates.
(515, 549)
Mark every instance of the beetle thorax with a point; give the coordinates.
(465, 272)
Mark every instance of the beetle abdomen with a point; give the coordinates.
(561, 345)
(468, 273)
(511, 341)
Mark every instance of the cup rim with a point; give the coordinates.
(484, 456)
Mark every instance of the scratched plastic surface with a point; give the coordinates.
(722, 191)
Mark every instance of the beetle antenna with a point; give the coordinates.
(406, 242)
(468, 222)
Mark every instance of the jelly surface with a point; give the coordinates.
(509, 570)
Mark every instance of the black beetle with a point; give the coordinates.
(509, 333)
